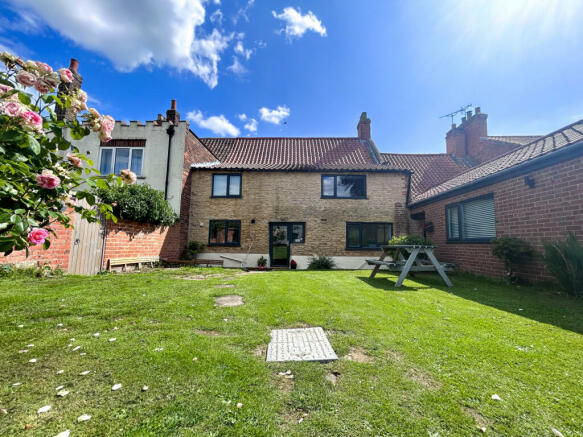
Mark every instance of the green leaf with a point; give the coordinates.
(46, 244)
(24, 98)
(33, 144)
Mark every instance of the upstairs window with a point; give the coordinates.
(344, 186)
(226, 185)
(472, 220)
(224, 233)
(116, 159)
(367, 235)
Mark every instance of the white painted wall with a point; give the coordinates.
(155, 154)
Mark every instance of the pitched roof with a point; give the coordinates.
(551, 143)
(428, 170)
(521, 140)
(287, 153)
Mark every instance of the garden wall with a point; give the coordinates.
(548, 211)
(57, 256)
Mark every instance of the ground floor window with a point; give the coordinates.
(471, 220)
(224, 233)
(361, 235)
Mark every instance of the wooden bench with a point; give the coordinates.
(195, 262)
(139, 260)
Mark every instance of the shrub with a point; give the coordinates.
(321, 262)
(10, 271)
(262, 262)
(409, 240)
(514, 252)
(40, 170)
(564, 259)
(140, 203)
(192, 250)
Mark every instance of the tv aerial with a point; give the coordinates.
(462, 110)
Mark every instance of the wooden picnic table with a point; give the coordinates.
(398, 262)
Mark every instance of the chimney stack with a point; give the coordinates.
(172, 114)
(67, 89)
(465, 139)
(363, 127)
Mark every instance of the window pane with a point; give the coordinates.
(234, 233)
(350, 186)
(217, 232)
(234, 185)
(298, 233)
(122, 160)
(453, 227)
(105, 164)
(328, 185)
(375, 234)
(219, 185)
(478, 219)
(137, 155)
(353, 236)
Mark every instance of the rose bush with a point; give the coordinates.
(41, 171)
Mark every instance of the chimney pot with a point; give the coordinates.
(74, 65)
(468, 114)
(173, 104)
(477, 110)
(172, 115)
(453, 126)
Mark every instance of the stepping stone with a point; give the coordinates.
(302, 344)
(231, 300)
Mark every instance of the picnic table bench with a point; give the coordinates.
(411, 264)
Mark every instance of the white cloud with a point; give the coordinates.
(275, 116)
(241, 50)
(297, 24)
(236, 67)
(132, 34)
(217, 17)
(242, 12)
(251, 123)
(218, 124)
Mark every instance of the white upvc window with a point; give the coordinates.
(115, 159)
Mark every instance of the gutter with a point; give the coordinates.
(170, 132)
(543, 161)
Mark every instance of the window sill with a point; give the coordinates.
(480, 241)
(226, 197)
(223, 245)
(343, 198)
(363, 248)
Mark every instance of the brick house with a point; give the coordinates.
(291, 198)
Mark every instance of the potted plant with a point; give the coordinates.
(261, 263)
(293, 264)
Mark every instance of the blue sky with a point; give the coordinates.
(314, 66)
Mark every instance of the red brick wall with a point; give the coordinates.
(57, 255)
(130, 239)
(548, 211)
(194, 151)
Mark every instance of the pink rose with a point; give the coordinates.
(44, 67)
(4, 88)
(82, 95)
(128, 176)
(75, 160)
(38, 236)
(32, 119)
(107, 125)
(42, 86)
(25, 78)
(12, 109)
(48, 180)
(66, 75)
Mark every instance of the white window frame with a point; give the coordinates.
(114, 149)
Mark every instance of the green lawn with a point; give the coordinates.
(425, 360)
